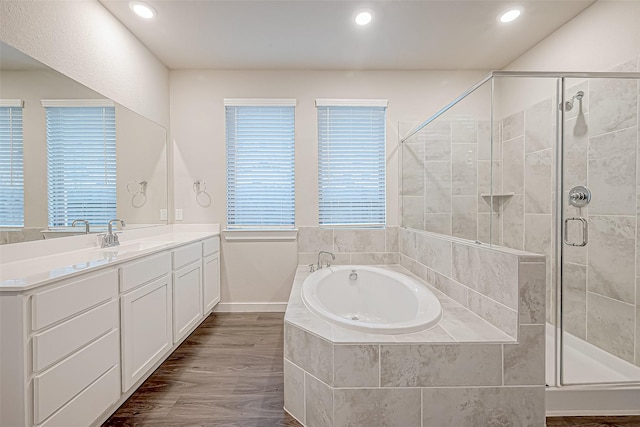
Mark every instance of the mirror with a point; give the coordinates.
(140, 154)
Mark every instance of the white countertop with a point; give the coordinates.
(30, 273)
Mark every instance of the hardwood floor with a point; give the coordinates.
(229, 373)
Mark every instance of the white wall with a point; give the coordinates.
(82, 40)
(603, 36)
(198, 137)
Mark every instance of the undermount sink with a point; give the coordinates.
(134, 246)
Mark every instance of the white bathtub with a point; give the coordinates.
(378, 301)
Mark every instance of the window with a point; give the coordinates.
(351, 163)
(11, 160)
(81, 161)
(260, 163)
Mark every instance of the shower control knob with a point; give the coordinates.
(579, 196)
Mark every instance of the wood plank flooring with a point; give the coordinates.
(229, 372)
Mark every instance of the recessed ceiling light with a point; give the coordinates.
(510, 15)
(141, 9)
(364, 17)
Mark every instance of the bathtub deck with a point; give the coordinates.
(458, 324)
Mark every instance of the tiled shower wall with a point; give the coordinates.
(449, 161)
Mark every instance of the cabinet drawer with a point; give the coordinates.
(186, 255)
(210, 246)
(62, 340)
(73, 297)
(139, 272)
(90, 404)
(56, 386)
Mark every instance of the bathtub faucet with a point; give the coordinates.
(333, 257)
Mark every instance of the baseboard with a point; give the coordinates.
(251, 307)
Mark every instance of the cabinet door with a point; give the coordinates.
(187, 299)
(211, 281)
(146, 328)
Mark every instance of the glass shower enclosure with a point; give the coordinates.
(546, 163)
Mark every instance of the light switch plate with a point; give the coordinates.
(178, 214)
(163, 214)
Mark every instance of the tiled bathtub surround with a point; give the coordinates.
(353, 246)
(463, 372)
(493, 283)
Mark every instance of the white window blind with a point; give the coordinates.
(351, 163)
(11, 164)
(260, 164)
(81, 163)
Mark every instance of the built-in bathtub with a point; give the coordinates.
(461, 371)
(370, 299)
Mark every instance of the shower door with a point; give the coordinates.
(599, 256)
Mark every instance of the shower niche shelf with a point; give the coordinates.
(489, 195)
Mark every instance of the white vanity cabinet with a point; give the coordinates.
(73, 349)
(187, 289)
(146, 315)
(210, 273)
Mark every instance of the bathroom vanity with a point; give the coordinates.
(81, 330)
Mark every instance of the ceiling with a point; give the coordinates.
(312, 34)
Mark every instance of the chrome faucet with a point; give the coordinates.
(333, 257)
(86, 224)
(111, 239)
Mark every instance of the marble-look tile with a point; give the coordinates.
(377, 407)
(485, 182)
(513, 126)
(374, 258)
(503, 318)
(433, 335)
(484, 141)
(309, 352)
(538, 128)
(413, 212)
(613, 105)
(318, 403)
(359, 240)
(464, 130)
(532, 283)
(466, 326)
(538, 238)
(391, 239)
(513, 222)
(438, 223)
(513, 166)
(412, 169)
(538, 171)
(437, 137)
(612, 173)
(575, 154)
(610, 325)
(356, 366)
(437, 187)
(464, 217)
(349, 336)
(451, 288)
(407, 242)
(294, 390)
(436, 365)
(301, 317)
(487, 406)
(490, 228)
(611, 268)
(464, 169)
(434, 252)
(492, 273)
(314, 239)
(524, 361)
(574, 299)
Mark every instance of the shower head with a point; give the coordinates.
(568, 106)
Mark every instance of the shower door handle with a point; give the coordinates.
(585, 231)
